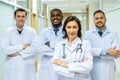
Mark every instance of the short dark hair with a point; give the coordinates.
(55, 9)
(20, 9)
(72, 18)
(98, 11)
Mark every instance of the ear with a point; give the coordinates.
(15, 17)
(62, 17)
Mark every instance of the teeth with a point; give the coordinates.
(55, 20)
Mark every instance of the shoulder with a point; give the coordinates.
(61, 42)
(46, 29)
(89, 34)
(86, 43)
(29, 28)
(112, 33)
(8, 30)
(90, 31)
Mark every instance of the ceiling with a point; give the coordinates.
(80, 5)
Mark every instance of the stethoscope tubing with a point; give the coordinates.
(79, 46)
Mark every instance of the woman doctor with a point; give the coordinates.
(72, 58)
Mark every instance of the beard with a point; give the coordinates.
(100, 27)
(57, 25)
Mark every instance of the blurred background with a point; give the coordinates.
(38, 16)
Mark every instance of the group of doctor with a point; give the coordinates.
(65, 55)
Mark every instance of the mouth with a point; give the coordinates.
(20, 21)
(99, 23)
(55, 21)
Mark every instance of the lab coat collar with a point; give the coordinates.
(74, 45)
(52, 28)
(24, 28)
(77, 39)
(15, 28)
(105, 32)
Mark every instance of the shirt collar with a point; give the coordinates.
(103, 30)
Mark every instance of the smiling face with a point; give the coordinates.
(99, 20)
(20, 18)
(72, 30)
(56, 19)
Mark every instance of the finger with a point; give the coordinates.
(114, 47)
(116, 55)
(54, 61)
(118, 51)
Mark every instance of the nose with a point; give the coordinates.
(55, 16)
(71, 30)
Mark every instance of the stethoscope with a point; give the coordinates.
(78, 48)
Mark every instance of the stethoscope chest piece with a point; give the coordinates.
(64, 55)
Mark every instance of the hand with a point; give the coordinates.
(85, 59)
(60, 63)
(26, 45)
(47, 43)
(113, 52)
(14, 54)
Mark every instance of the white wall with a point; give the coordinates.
(6, 20)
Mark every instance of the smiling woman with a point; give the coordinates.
(72, 59)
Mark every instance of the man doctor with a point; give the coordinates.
(105, 48)
(48, 38)
(14, 41)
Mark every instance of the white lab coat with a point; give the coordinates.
(103, 65)
(77, 70)
(47, 34)
(18, 67)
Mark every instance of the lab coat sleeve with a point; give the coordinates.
(57, 52)
(83, 67)
(58, 69)
(102, 52)
(115, 41)
(31, 50)
(6, 47)
(95, 51)
(54, 42)
(39, 43)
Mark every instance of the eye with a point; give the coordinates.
(23, 16)
(74, 27)
(18, 16)
(68, 27)
(101, 17)
(96, 18)
(56, 15)
(52, 15)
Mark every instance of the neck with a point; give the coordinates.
(70, 41)
(19, 29)
(56, 26)
(102, 28)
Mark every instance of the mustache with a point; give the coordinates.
(55, 19)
